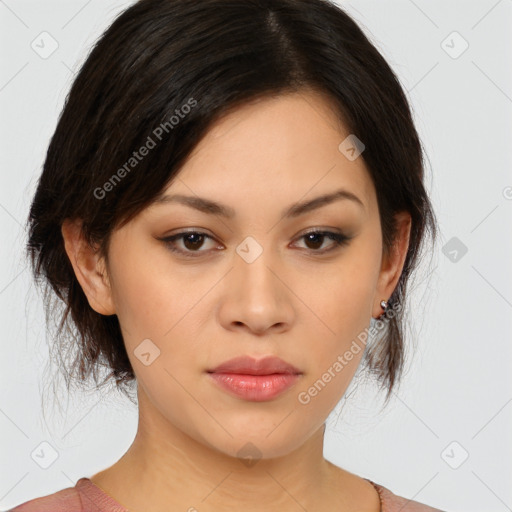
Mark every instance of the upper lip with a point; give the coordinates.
(249, 366)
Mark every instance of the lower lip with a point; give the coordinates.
(257, 388)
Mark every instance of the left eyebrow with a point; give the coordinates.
(300, 208)
(213, 208)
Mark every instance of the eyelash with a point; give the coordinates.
(339, 240)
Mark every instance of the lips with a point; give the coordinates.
(256, 380)
(246, 365)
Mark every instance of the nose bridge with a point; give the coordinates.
(253, 261)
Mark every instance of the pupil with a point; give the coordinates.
(196, 243)
(312, 236)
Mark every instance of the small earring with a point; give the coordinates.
(384, 305)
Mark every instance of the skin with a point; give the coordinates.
(291, 302)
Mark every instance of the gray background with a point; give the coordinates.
(455, 400)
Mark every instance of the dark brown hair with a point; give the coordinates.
(156, 58)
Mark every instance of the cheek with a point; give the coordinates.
(343, 300)
(139, 298)
(342, 295)
(161, 316)
(148, 301)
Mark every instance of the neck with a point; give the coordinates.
(166, 469)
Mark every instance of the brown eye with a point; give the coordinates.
(192, 241)
(315, 239)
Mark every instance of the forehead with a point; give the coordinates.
(287, 146)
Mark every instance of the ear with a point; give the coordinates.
(393, 262)
(89, 267)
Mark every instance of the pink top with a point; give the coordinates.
(86, 496)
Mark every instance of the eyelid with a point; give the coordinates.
(338, 237)
(168, 240)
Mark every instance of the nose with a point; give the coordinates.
(255, 297)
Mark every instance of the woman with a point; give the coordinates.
(233, 195)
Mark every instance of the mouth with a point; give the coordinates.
(255, 380)
(247, 365)
(255, 388)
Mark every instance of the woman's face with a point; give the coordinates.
(254, 282)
